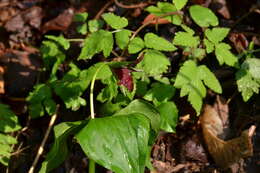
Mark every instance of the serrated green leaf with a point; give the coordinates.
(209, 45)
(224, 55)
(122, 38)
(186, 39)
(179, 4)
(59, 150)
(136, 45)
(199, 53)
(8, 120)
(253, 67)
(160, 93)
(169, 116)
(114, 21)
(123, 149)
(154, 63)
(80, 17)
(94, 25)
(97, 41)
(151, 40)
(36, 99)
(145, 108)
(110, 91)
(246, 84)
(209, 79)
(61, 40)
(188, 29)
(203, 16)
(216, 35)
(189, 80)
(82, 29)
(6, 142)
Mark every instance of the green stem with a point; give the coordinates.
(76, 40)
(91, 168)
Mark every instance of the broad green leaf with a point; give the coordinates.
(179, 4)
(145, 108)
(37, 98)
(165, 7)
(160, 93)
(8, 120)
(209, 79)
(82, 29)
(151, 40)
(94, 25)
(59, 150)
(216, 35)
(136, 45)
(122, 38)
(189, 80)
(224, 55)
(114, 21)
(80, 17)
(253, 67)
(61, 40)
(203, 16)
(154, 63)
(186, 39)
(247, 85)
(97, 41)
(209, 45)
(104, 71)
(123, 149)
(169, 116)
(198, 53)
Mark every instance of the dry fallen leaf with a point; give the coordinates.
(2, 90)
(215, 131)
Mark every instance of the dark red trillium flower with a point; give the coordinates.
(125, 78)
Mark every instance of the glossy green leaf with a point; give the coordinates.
(145, 108)
(97, 41)
(136, 45)
(186, 39)
(216, 35)
(203, 16)
(122, 38)
(123, 149)
(59, 150)
(154, 63)
(114, 21)
(160, 93)
(179, 4)
(169, 116)
(224, 55)
(151, 40)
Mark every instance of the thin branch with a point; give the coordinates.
(103, 9)
(140, 5)
(41, 148)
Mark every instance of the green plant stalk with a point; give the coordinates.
(91, 168)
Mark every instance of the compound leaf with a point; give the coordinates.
(209, 45)
(61, 40)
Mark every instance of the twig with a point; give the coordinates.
(140, 5)
(41, 148)
(103, 9)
